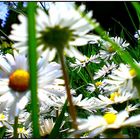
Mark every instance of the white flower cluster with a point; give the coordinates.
(104, 87)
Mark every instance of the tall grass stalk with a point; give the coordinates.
(91, 77)
(136, 5)
(33, 68)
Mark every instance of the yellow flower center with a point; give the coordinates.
(21, 130)
(82, 61)
(19, 80)
(113, 95)
(98, 83)
(132, 72)
(111, 49)
(110, 117)
(86, 59)
(2, 116)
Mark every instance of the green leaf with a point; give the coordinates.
(55, 131)
(2, 131)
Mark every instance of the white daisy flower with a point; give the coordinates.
(46, 126)
(15, 82)
(130, 107)
(86, 103)
(121, 95)
(91, 88)
(99, 84)
(83, 61)
(108, 51)
(137, 34)
(4, 120)
(97, 124)
(105, 70)
(133, 121)
(56, 29)
(121, 75)
(22, 131)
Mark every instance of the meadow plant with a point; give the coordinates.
(63, 76)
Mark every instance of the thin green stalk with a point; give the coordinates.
(71, 106)
(33, 68)
(136, 5)
(15, 127)
(6, 36)
(123, 54)
(82, 77)
(130, 16)
(91, 77)
(80, 87)
(55, 131)
(125, 30)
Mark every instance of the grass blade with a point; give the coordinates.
(55, 131)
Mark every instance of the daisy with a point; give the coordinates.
(137, 35)
(105, 70)
(91, 88)
(84, 61)
(84, 103)
(121, 95)
(96, 124)
(108, 51)
(14, 82)
(99, 84)
(46, 126)
(121, 75)
(22, 131)
(4, 119)
(56, 29)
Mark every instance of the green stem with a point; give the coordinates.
(33, 68)
(131, 18)
(72, 107)
(15, 127)
(6, 36)
(91, 77)
(136, 5)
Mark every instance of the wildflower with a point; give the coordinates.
(108, 51)
(105, 70)
(84, 103)
(46, 126)
(22, 131)
(96, 124)
(121, 75)
(15, 82)
(56, 29)
(137, 34)
(121, 95)
(84, 61)
(99, 84)
(91, 87)
(4, 119)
